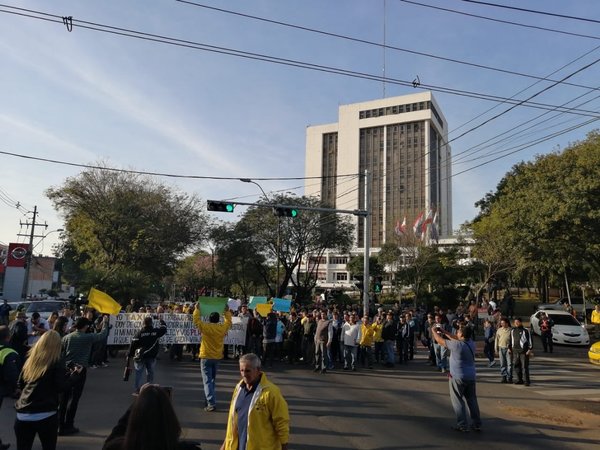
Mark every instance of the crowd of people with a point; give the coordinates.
(46, 367)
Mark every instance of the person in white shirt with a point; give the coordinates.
(351, 338)
(36, 326)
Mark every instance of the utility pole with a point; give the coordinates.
(367, 244)
(29, 255)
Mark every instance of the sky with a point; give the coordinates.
(86, 96)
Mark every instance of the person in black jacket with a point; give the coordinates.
(9, 370)
(18, 335)
(144, 349)
(150, 423)
(44, 375)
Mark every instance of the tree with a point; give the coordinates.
(290, 240)
(124, 231)
(194, 273)
(544, 216)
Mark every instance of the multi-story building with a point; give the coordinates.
(401, 141)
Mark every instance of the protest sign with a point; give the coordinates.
(180, 329)
(281, 304)
(210, 305)
(256, 301)
(263, 309)
(234, 304)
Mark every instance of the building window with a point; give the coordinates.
(341, 276)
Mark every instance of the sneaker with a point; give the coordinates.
(476, 427)
(93, 366)
(492, 364)
(460, 429)
(210, 408)
(443, 370)
(518, 382)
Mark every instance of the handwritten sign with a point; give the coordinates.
(180, 329)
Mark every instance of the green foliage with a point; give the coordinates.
(544, 217)
(124, 232)
(356, 267)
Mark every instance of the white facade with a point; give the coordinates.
(401, 141)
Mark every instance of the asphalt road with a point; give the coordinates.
(402, 408)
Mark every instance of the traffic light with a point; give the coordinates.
(377, 285)
(285, 211)
(214, 205)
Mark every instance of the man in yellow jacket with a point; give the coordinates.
(258, 415)
(596, 320)
(211, 351)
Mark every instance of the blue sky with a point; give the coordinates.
(86, 96)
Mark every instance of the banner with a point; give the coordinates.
(180, 329)
(234, 304)
(263, 309)
(282, 304)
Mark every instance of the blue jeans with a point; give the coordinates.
(505, 363)
(209, 374)
(389, 351)
(349, 356)
(462, 395)
(139, 366)
(441, 356)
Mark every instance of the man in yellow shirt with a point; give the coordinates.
(367, 335)
(596, 321)
(211, 351)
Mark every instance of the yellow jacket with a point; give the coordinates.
(213, 335)
(268, 419)
(377, 329)
(366, 335)
(595, 317)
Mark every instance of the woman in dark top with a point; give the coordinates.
(44, 375)
(150, 423)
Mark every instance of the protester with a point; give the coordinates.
(269, 338)
(18, 335)
(60, 326)
(595, 319)
(9, 370)
(293, 342)
(388, 333)
(211, 351)
(309, 324)
(150, 423)
(323, 340)
(379, 343)
(258, 415)
(462, 378)
(351, 339)
(5, 310)
(367, 336)
(441, 352)
(502, 347)
(43, 377)
(488, 342)
(35, 328)
(77, 347)
(546, 324)
(144, 349)
(521, 347)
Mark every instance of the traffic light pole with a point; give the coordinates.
(367, 243)
(356, 212)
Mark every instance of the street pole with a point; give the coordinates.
(367, 243)
(30, 252)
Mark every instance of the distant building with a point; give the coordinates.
(401, 142)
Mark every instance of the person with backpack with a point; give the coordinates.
(144, 349)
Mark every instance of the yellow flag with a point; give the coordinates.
(102, 302)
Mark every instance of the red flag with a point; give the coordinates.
(400, 230)
(417, 224)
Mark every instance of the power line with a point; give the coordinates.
(533, 11)
(372, 43)
(282, 61)
(508, 22)
(167, 175)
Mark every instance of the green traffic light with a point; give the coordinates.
(229, 207)
(293, 212)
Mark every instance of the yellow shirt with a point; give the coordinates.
(213, 335)
(366, 335)
(377, 328)
(596, 317)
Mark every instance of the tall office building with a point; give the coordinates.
(401, 142)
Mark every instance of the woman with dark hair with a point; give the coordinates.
(44, 375)
(150, 423)
(60, 325)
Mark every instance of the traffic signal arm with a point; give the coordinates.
(214, 205)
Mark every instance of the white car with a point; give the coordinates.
(566, 330)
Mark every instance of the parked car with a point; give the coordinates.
(566, 330)
(562, 304)
(594, 353)
(45, 307)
